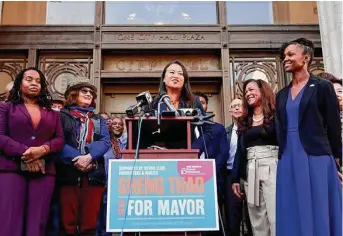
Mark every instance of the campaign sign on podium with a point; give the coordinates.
(165, 196)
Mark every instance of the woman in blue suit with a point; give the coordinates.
(308, 190)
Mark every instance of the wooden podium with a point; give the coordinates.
(175, 134)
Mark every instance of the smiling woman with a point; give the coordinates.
(175, 83)
(256, 156)
(309, 194)
(80, 167)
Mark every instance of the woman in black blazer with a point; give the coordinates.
(308, 190)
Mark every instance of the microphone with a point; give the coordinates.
(142, 99)
(165, 98)
(189, 111)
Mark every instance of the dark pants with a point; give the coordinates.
(80, 206)
(24, 204)
(233, 208)
(101, 224)
(54, 217)
(220, 232)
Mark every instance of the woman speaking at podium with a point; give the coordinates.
(175, 83)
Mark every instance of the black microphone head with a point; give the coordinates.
(144, 98)
(132, 110)
(166, 99)
(186, 112)
(197, 112)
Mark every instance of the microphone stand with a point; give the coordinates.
(160, 101)
(140, 121)
(158, 117)
(199, 120)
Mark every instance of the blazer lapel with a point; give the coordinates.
(308, 92)
(229, 133)
(283, 97)
(26, 113)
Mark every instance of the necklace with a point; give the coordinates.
(258, 119)
(174, 102)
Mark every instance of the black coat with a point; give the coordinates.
(241, 161)
(319, 120)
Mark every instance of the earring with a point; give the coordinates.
(19, 94)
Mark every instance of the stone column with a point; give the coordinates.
(0, 10)
(330, 24)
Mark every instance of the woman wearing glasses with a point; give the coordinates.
(80, 169)
(118, 142)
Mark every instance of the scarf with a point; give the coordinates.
(86, 126)
(115, 146)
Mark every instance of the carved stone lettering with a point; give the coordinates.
(121, 65)
(126, 37)
(193, 37)
(136, 65)
(145, 36)
(159, 37)
(169, 37)
(152, 65)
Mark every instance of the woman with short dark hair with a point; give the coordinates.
(30, 137)
(309, 193)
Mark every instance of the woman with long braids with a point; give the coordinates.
(308, 192)
(256, 156)
(30, 136)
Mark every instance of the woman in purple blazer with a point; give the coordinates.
(30, 136)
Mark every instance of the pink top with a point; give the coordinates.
(35, 114)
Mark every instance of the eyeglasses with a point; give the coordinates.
(85, 91)
(236, 105)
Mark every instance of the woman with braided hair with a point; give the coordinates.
(308, 190)
(30, 138)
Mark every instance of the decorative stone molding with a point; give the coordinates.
(9, 69)
(243, 69)
(59, 71)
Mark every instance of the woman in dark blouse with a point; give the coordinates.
(175, 83)
(256, 156)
